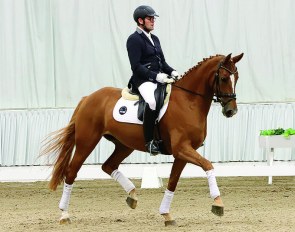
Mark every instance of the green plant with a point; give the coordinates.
(280, 131)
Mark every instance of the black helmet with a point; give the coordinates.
(143, 11)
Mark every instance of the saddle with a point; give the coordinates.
(162, 94)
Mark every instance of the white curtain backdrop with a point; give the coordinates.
(54, 52)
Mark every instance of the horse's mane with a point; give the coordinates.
(198, 65)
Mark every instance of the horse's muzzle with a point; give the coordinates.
(229, 111)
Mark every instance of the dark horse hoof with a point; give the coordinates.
(170, 223)
(217, 210)
(131, 202)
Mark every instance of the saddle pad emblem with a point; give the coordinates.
(123, 110)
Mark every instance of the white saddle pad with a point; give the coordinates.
(126, 111)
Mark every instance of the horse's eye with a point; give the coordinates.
(224, 79)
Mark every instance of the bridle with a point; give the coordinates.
(217, 94)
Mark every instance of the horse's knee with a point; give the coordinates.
(192, 156)
(178, 154)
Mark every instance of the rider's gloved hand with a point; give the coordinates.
(163, 78)
(175, 75)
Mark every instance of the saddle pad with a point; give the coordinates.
(126, 111)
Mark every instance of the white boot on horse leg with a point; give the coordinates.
(165, 208)
(128, 187)
(64, 204)
(217, 207)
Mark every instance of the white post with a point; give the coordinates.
(270, 156)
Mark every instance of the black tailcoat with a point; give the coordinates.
(146, 60)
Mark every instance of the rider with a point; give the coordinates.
(149, 68)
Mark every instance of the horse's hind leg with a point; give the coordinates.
(111, 166)
(84, 146)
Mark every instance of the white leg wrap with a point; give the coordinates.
(65, 199)
(166, 202)
(214, 191)
(123, 180)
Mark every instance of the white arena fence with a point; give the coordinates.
(228, 140)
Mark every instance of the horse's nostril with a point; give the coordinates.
(229, 113)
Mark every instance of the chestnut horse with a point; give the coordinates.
(190, 101)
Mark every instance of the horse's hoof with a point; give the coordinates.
(131, 202)
(65, 218)
(217, 210)
(170, 223)
(64, 221)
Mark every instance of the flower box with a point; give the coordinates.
(276, 141)
(269, 143)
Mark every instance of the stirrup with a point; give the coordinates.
(152, 147)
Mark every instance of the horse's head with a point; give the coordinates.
(225, 81)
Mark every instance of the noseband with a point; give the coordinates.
(218, 94)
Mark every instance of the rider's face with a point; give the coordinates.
(148, 23)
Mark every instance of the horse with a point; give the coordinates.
(213, 78)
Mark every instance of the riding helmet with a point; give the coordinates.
(143, 11)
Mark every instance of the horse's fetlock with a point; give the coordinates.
(108, 169)
(70, 177)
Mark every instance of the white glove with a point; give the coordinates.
(175, 75)
(163, 78)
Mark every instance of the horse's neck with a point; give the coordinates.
(197, 81)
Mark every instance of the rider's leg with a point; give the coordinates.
(147, 90)
(148, 130)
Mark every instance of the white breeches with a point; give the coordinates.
(147, 90)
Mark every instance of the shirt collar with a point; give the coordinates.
(149, 35)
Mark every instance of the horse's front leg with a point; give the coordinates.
(188, 154)
(177, 168)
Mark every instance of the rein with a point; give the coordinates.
(218, 94)
(189, 91)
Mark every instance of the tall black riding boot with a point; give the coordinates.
(149, 118)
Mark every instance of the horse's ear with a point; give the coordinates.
(237, 58)
(227, 58)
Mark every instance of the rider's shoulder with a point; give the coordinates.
(134, 37)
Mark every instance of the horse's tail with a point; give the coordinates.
(61, 142)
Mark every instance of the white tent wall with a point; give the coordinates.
(53, 52)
